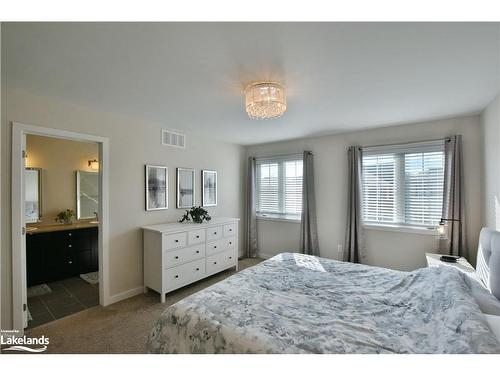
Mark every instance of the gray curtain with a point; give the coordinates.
(251, 219)
(454, 199)
(308, 228)
(354, 241)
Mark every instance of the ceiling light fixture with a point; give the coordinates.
(265, 100)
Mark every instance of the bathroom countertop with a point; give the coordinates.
(45, 228)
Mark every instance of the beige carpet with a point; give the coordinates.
(119, 328)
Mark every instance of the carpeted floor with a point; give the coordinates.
(119, 328)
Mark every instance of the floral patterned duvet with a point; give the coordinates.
(295, 303)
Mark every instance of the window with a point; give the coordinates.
(279, 187)
(403, 185)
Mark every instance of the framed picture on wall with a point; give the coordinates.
(185, 188)
(156, 187)
(209, 186)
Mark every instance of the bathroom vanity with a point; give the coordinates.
(56, 252)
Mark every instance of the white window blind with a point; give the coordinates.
(379, 188)
(403, 185)
(279, 187)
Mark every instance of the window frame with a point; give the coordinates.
(281, 215)
(399, 175)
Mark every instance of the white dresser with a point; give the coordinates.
(178, 254)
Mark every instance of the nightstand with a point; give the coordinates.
(461, 264)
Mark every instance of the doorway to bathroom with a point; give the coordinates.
(60, 253)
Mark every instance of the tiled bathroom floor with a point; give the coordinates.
(67, 297)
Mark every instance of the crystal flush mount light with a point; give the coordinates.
(265, 100)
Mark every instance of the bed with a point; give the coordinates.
(295, 303)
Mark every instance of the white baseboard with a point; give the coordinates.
(124, 295)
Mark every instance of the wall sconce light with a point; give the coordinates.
(94, 165)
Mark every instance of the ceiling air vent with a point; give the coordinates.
(174, 139)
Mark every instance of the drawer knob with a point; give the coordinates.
(215, 247)
(215, 262)
(197, 236)
(176, 257)
(176, 240)
(197, 251)
(197, 269)
(176, 276)
(69, 234)
(70, 245)
(215, 232)
(70, 262)
(230, 230)
(230, 257)
(230, 243)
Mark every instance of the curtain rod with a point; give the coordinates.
(279, 156)
(407, 143)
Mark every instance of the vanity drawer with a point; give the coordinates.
(78, 239)
(176, 257)
(174, 241)
(221, 261)
(229, 230)
(214, 233)
(179, 276)
(196, 237)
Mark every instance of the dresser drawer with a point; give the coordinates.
(214, 233)
(174, 241)
(196, 237)
(179, 276)
(176, 257)
(220, 245)
(229, 242)
(229, 230)
(221, 261)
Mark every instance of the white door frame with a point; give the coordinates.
(19, 131)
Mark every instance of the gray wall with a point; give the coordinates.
(133, 143)
(404, 251)
(490, 124)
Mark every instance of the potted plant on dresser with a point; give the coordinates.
(197, 213)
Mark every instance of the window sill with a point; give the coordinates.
(283, 219)
(402, 229)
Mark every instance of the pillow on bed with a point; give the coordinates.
(487, 302)
(488, 260)
(494, 265)
(484, 255)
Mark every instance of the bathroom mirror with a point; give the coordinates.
(33, 194)
(87, 194)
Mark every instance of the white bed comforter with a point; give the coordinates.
(294, 303)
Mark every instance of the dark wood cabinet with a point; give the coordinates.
(58, 255)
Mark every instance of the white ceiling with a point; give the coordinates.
(189, 76)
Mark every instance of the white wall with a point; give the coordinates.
(133, 143)
(490, 124)
(396, 250)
